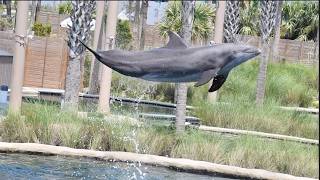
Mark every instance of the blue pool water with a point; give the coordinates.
(23, 166)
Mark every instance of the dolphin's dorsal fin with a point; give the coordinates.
(175, 41)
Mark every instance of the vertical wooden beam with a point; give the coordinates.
(19, 56)
(218, 37)
(105, 83)
(94, 72)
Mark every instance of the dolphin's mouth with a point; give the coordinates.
(253, 51)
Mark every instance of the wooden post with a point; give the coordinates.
(19, 56)
(105, 83)
(218, 37)
(94, 63)
(300, 56)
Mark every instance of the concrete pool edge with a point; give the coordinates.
(184, 164)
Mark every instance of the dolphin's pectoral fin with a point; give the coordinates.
(218, 82)
(206, 76)
(175, 41)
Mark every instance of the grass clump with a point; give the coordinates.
(287, 84)
(48, 125)
(268, 118)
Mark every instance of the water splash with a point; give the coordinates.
(138, 173)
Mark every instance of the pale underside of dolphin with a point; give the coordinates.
(176, 63)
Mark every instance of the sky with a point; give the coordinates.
(153, 9)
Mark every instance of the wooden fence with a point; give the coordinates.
(292, 51)
(51, 18)
(7, 41)
(46, 63)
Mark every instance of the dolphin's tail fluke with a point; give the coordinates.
(91, 50)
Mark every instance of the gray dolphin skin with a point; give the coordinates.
(177, 63)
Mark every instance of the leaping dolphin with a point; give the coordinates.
(176, 63)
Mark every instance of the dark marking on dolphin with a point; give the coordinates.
(177, 63)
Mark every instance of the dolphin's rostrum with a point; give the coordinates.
(176, 63)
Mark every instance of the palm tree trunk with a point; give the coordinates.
(38, 8)
(268, 13)
(8, 7)
(231, 21)
(144, 11)
(81, 18)
(275, 47)
(33, 12)
(73, 78)
(317, 58)
(94, 73)
(136, 27)
(262, 75)
(187, 20)
(130, 8)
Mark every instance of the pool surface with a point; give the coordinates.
(24, 166)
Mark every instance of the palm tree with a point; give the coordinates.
(274, 51)
(136, 23)
(186, 33)
(202, 27)
(267, 17)
(81, 18)
(231, 22)
(144, 10)
(38, 8)
(8, 7)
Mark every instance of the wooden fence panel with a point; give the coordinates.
(45, 62)
(34, 63)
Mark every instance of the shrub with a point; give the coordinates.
(65, 8)
(5, 24)
(41, 29)
(124, 36)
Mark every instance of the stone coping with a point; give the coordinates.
(179, 163)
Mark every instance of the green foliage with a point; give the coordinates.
(5, 24)
(287, 84)
(202, 24)
(124, 35)
(41, 29)
(249, 18)
(300, 20)
(65, 8)
(46, 124)
(1, 9)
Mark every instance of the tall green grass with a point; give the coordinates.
(46, 124)
(269, 119)
(287, 85)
